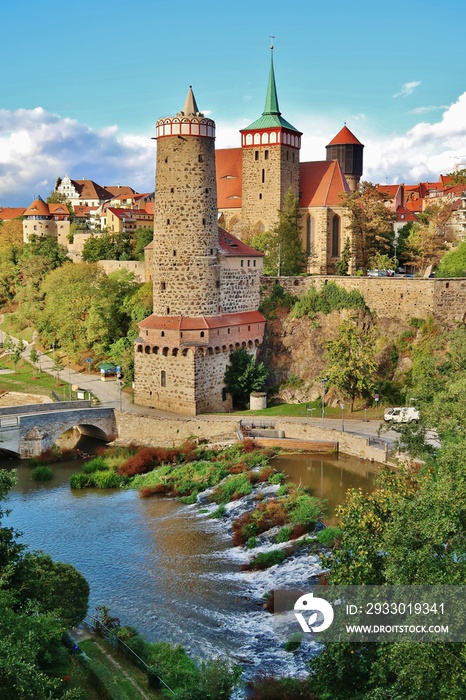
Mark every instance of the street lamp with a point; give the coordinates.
(342, 405)
(323, 381)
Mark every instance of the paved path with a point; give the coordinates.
(109, 395)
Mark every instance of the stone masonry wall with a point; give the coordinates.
(134, 266)
(239, 289)
(395, 297)
(178, 394)
(209, 374)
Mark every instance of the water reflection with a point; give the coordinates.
(328, 476)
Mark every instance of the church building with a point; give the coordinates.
(252, 181)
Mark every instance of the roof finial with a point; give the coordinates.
(271, 41)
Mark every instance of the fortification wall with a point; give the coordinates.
(392, 297)
(239, 290)
(135, 266)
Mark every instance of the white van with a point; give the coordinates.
(401, 415)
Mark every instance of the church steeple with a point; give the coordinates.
(271, 99)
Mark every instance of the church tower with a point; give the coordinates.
(270, 162)
(347, 150)
(206, 282)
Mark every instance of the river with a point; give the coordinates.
(169, 570)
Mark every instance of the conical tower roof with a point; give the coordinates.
(37, 208)
(190, 105)
(343, 137)
(271, 116)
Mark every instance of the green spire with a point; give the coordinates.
(271, 100)
(271, 116)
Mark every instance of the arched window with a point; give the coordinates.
(310, 235)
(336, 236)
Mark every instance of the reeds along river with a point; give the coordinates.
(170, 570)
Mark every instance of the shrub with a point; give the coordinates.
(251, 543)
(219, 512)
(305, 510)
(269, 688)
(232, 488)
(283, 535)
(329, 536)
(293, 642)
(265, 560)
(95, 465)
(331, 297)
(42, 474)
(106, 480)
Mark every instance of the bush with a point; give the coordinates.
(232, 488)
(42, 474)
(330, 298)
(219, 512)
(265, 560)
(279, 298)
(305, 510)
(95, 465)
(283, 535)
(269, 688)
(251, 543)
(329, 536)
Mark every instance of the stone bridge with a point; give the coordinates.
(30, 430)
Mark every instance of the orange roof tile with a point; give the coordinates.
(322, 183)
(344, 136)
(232, 247)
(9, 213)
(200, 322)
(404, 214)
(228, 162)
(37, 208)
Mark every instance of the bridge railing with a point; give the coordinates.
(50, 407)
(9, 421)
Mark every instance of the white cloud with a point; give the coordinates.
(431, 108)
(36, 147)
(408, 88)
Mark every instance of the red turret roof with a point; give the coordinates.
(37, 208)
(344, 136)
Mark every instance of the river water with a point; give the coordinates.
(170, 570)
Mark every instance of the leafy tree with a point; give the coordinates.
(288, 249)
(266, 243)
(344, 261)
(458, 176)
(142, 237)
(34, 357)
(11, 233)
(244, 375)
(453, 264)
(61, 198)
(426, 243)
(351, 365)
(370, 222)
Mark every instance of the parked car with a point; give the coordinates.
(380, 273)
(407, 414)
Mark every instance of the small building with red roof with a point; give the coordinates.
(42, 219)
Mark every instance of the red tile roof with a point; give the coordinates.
(228, 162)
(404, 214)
(37, 208)
(344, 136)
(200, 322)
(232, 247)
(322, 183)
(9, 213)
(117, 191)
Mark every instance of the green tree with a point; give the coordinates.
(345, 258)
(266, 243)
(34, 358)
(426, 243)
(351, 366)
(287, 249)
(244, 375)
(61, 198)
(453, 263)
(370, 222)
(142, 237)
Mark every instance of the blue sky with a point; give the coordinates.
(83, 84)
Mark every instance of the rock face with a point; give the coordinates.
(294, 350)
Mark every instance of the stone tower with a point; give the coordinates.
(186, 273)
(347, 150)
(270, 162)
(206, 282)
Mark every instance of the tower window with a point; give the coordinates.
(168, 222)
(163, 286)
(163, 378)
(260, 195)
(263, 175)
(287, 155)
(172, 189)
(200, 159)
(228, 331)
(256, 155)
(174, 253)
(168, 310)
(201, 334)
(242, 263)
(207, 190)
(211, 251)
(266, 155)
(249, 263)
(293, 156)
(162, 333)
(217, 284)
(166, 159)
(254, 263)
(203, 222)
